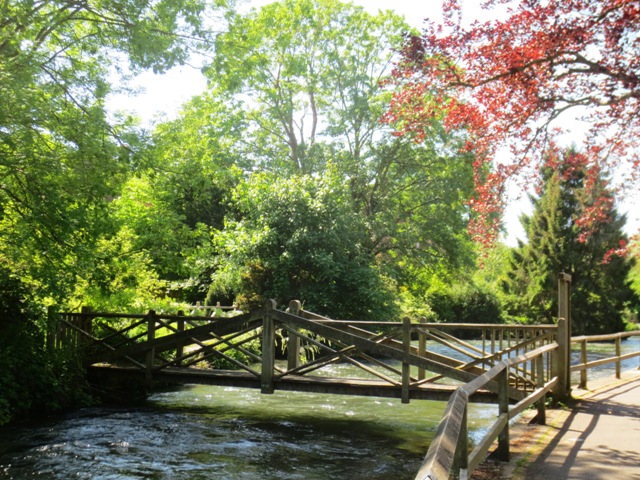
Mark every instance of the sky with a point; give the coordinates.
(162, 96)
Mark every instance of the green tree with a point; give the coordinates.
(309, 72)
(304, 81)
(60, 154)
(299, 238)
(557, 242)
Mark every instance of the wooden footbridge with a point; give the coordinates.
(514, 366)
(293, 349)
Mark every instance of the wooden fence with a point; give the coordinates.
(448, 455)
(617, 358)
(449, 450)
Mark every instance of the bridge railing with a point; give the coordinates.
(384, 351)
(617, 357)
(449, 453)
(365, 344)
(147, 341)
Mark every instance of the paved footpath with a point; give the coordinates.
(599, 439)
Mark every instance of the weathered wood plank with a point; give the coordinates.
(439, 459)
(301, 383)
(604, 361)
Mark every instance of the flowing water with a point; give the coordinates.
(205, 432)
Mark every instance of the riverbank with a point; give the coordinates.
(552, 450)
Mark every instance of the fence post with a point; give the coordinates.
(583, 361)
(422, 350)
(86, 325)
(52, 328)
(618, 352)
(502, 452)
(151, 353)
(564, 311)
(563, 387)
(293, 343)
(268, 348)
(542, 412)
(180, 348)
(406, 366)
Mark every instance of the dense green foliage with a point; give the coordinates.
(299, 238)
(60, 154)
(306, 114)
(32, 379)
(600, 291)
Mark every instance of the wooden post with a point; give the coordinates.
(151, 353)
(563, 387)
(502, 452)
(52, 328)
(406, 366)
(618, 338)
(268, 348)
(86, 325)
(583, 361)
(422, 351)
(542, 412)
(293, 344)
(180, 349)
(564, 311)
(461, 456)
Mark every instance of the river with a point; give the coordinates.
(204, 432)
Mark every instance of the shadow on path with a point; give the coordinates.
(599, 439)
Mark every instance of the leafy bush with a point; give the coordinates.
(299, 239)
(31, 379)
(466, 303)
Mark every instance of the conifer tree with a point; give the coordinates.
(557, 241)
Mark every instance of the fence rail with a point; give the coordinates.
(449, 450)
(617, 358)
(448, 455)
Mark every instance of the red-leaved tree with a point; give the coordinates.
(509, 82)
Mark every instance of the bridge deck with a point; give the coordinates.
(300, 383)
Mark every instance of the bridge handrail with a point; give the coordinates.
(137, 316)
(617, 358)
(449, 448)
(448, 451)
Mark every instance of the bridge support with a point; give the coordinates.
(268, 348)
(293, 343)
